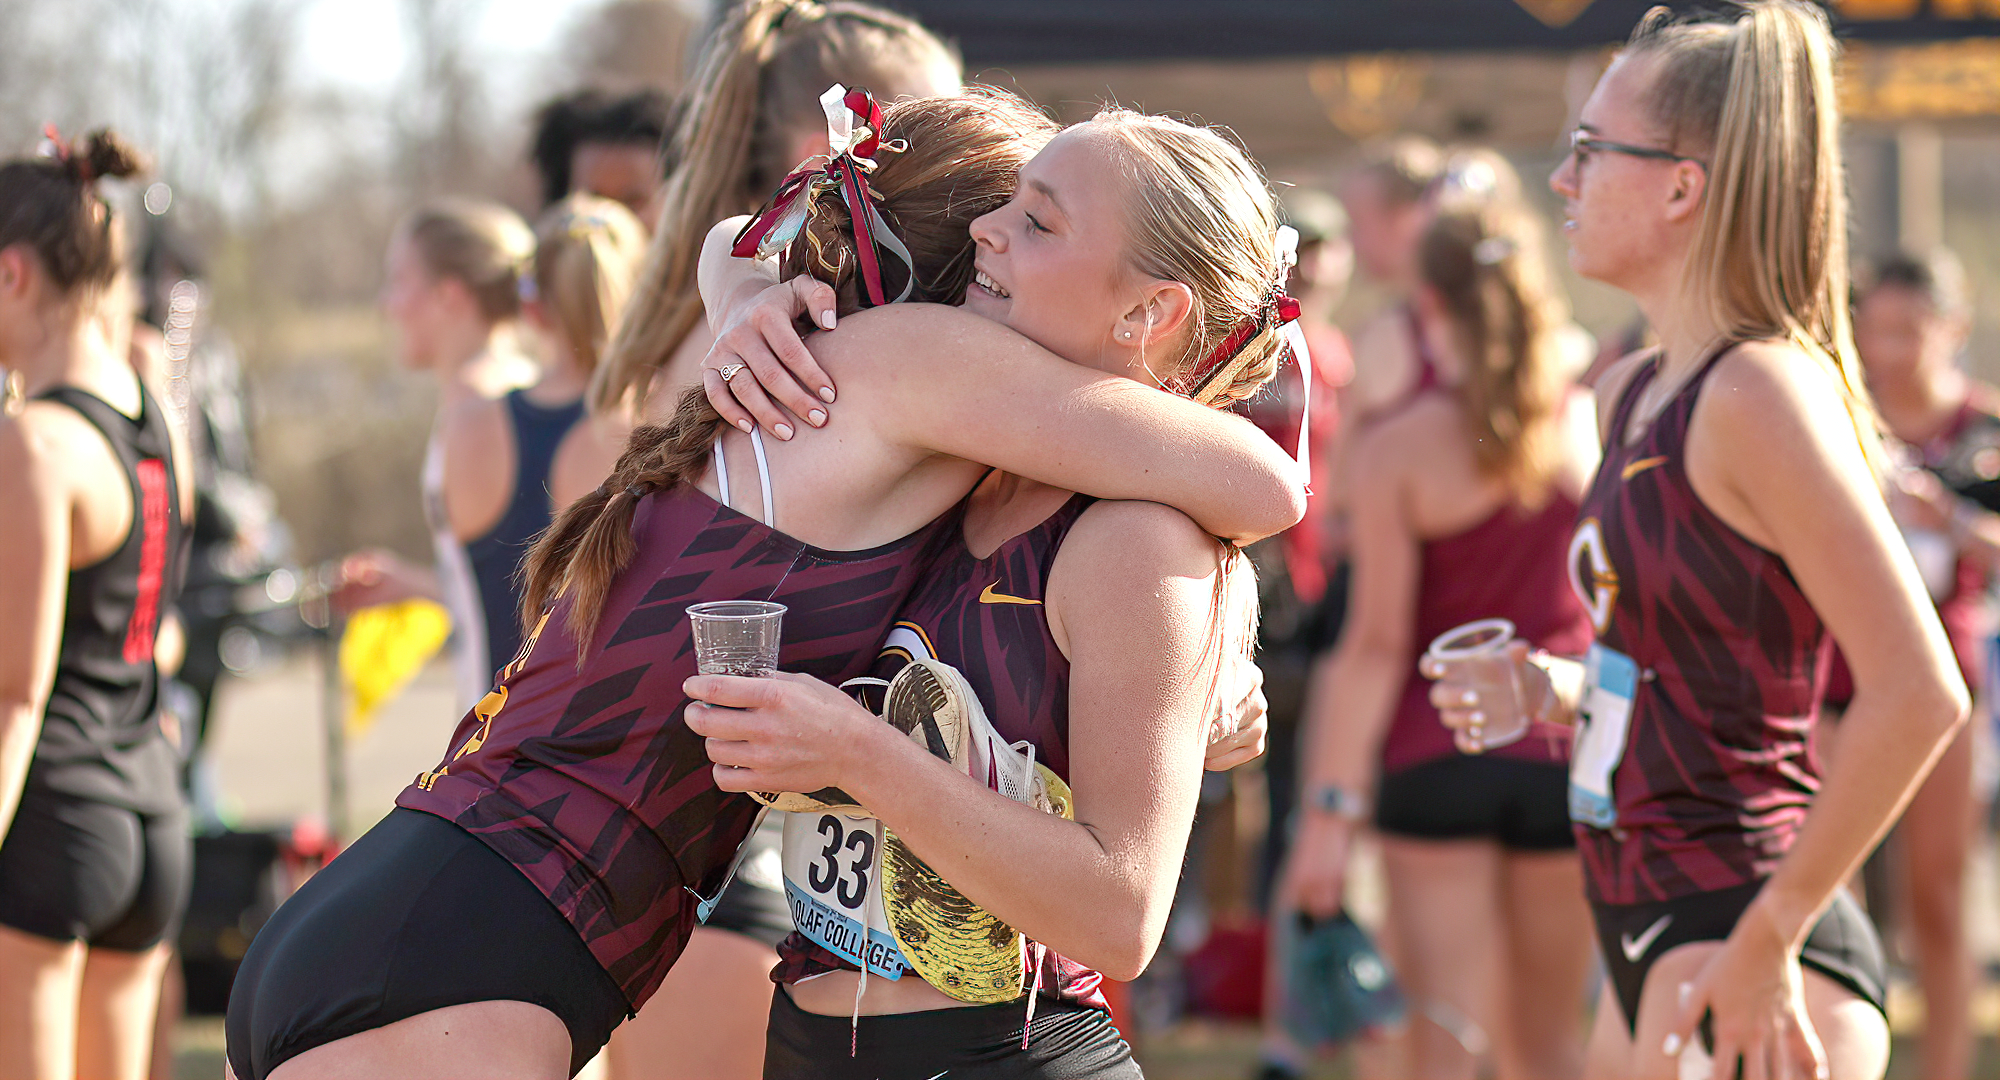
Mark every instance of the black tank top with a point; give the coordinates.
(496, 556)
(100, 735)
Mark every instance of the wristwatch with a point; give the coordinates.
(1343, 802)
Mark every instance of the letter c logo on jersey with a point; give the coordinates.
(1589, 557)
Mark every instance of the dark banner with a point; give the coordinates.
(994, 32)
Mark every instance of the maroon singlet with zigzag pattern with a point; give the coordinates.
(589, 780)
(1719, 765)
(986, 617)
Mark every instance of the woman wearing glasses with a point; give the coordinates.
(1734, 529)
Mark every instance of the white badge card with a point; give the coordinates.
(1610, 683)
(833, 882)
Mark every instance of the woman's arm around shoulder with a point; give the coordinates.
(941, 380)
(39, 495)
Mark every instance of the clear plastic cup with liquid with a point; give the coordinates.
(1474, 657)
(736, 637)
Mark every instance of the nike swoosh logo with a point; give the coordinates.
(991, 597)
(1641, 465)
(1636, 947)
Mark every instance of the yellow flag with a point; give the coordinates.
(382, 649)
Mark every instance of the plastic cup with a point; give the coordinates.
(736, 637)
(1477, 655)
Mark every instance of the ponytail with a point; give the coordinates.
(51, 204)
(756, 89)
(1755, 97)
(591, 540)
(587, 252)
(482, 245)
(1484, 264)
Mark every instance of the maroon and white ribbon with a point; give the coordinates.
(854, 136)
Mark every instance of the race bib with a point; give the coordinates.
(1610, 682)
(833, 881)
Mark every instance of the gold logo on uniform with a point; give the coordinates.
(1601, 594)
(1634, 468)
(988, 596)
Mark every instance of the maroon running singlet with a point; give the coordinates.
(1722, 659)
(986, 618)
(590, 783)
(1509, 565)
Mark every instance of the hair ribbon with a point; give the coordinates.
(853, 134)
(1286, 311)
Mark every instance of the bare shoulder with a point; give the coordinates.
(1764, 383)
(1387, 446)
(1120, 544)
(42, 447)
(476, 427)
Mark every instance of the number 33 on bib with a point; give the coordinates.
(857, 891)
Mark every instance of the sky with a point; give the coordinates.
(359, 44)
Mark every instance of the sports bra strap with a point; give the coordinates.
(763, 475)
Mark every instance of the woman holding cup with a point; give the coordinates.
(533, 890)
(1735, 524)
(1460, 500)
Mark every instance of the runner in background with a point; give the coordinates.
(1910, 328)
(1302, 573)
(1735, 526)
(453, 293)
(1460, 500)
(1387, 198)
(750, 115)
(98, 486)
(595, 143)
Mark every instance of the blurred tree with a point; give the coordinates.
(440, 108)
(628, 44)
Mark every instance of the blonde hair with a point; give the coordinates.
(1754, 96)
(482, 245)
(587, 253)
(1406, 167)
(757, 88)
(1486, 265)
(1202, 214)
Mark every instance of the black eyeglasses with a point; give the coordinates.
(1582, 144)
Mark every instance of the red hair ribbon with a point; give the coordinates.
(65, 155)
(854, 136)
(1286, 311)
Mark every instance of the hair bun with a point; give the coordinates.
(104, 153)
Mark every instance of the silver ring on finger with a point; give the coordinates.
(729, 371)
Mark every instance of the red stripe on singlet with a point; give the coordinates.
(152, 476)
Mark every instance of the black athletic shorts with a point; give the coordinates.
(1843, 945)
(417, 915)
(981, 1042)
(754, 903)
(1524, 805)
(74, 869)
